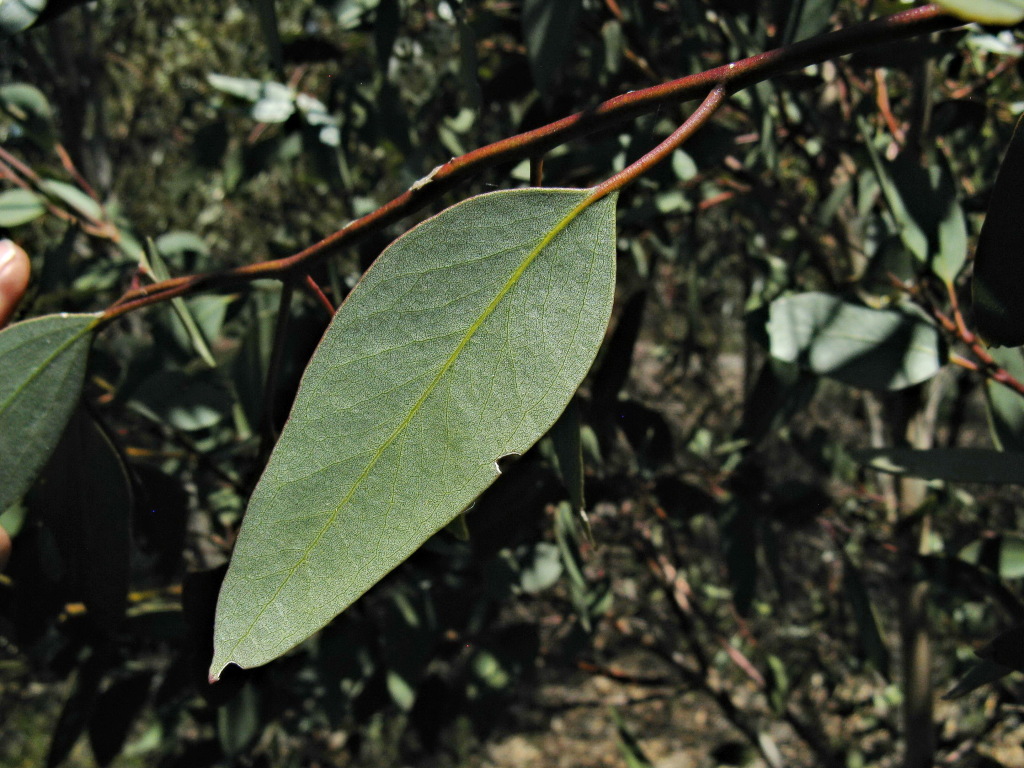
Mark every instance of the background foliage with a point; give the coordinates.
(754, 589)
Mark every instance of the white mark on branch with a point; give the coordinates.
(426, 179)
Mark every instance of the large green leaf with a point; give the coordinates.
(42, 366)
(461, 345)
(998, 281)
(859, 346)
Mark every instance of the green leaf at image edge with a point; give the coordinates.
(998, 278)
(462, 344)
(42, 367)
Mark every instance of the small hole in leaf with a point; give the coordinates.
(506, 461)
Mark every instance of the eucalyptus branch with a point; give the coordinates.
(731, 77)
(987, 365)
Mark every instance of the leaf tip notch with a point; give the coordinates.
(217, 667)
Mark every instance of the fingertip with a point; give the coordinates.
(15, 269)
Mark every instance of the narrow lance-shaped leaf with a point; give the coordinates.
(998, 280)
(549, 29)
(158, 268)
(42, 366)
(84, 497)
(865, 616)
(461, 345)
(956, 465)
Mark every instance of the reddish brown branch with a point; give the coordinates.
(955, 326)
(732, 77)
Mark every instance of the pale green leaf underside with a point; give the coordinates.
(42, 366)
(986, 11)
(859, 346)
(462, 344)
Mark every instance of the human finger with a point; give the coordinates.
(14, 274)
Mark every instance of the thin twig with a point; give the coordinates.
(630, 173)
(318, 295)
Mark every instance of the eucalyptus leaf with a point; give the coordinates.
(84, 496)
(998, 280)
(549, 29)
(986, 11)
(960, 465)
(859, 346)
(42, 367)
(1007, 648)
(461, 345)
(20, 206)
(74, 198)
(243, 87)
(267, 14)
(808, 18)
(865, 616)
(982, 673)
(1003, 554)
(30, 107)
(566, 454)
(18, 15)
(1006, 406)
(186, 402)
(541, 567)
(179, 243)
